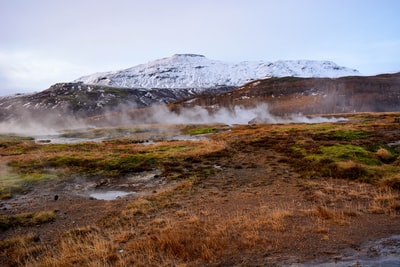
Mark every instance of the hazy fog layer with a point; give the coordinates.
(27, 124)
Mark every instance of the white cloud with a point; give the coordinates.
(32, 71)
(44, 41)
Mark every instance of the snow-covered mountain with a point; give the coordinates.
(197, 71)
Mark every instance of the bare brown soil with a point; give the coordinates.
(254, 207)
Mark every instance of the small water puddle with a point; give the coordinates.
(397, 143)
(109, 195)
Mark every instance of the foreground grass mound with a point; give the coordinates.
(367, 152)
(228, 198)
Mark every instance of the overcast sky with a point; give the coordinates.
(47, 41)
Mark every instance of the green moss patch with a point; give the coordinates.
(346, 161)
(346, 152)
(201, 131)
(349, 135)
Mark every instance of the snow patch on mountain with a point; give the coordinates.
(197, 71)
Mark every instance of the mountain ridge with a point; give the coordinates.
(197, 71)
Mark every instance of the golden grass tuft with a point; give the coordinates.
(384, 154)
(350, 170)
(275, 219)
(385, 200)
(347, 164)
(140, 206)
(392, 181)
(328, 214)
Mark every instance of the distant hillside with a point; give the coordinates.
(311, 95)
(78, 100)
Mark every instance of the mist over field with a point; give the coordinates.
(236, 115)
(28, 124)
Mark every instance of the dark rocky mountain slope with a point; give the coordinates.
(80, 100)
(312, 95)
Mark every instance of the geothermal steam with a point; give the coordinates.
(29, 125)
(236, 115)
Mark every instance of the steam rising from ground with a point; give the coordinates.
(28, 124)
(236, 115)
(37, 127)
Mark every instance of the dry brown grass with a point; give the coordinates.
(167, 229)
(384, 154)
(19, 250)
(337, 201)
(392, 181)
(328, 214)
(82, 247)
(385, 200)
(191, 236)
(204, 239)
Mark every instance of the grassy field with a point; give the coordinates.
(233, 199)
